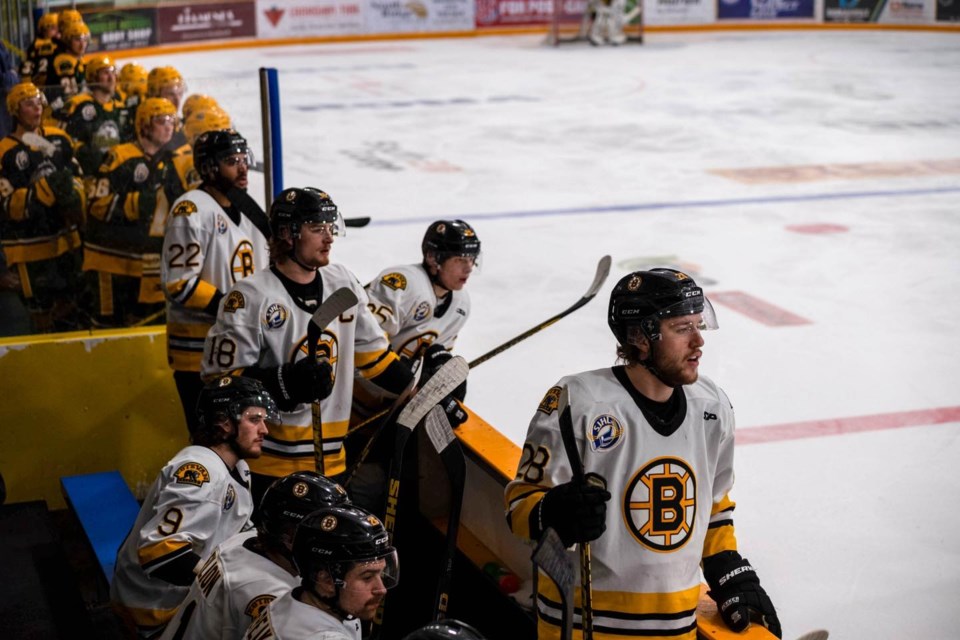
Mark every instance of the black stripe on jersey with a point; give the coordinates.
(370, 365)
(193, 345)
(621, 631)
(622, 615)
(288, 443)
(153, 564)
(188, 292)
(720, 523)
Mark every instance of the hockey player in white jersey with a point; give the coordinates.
(215, 235)
(252, 569)
(661, 436)
(346, 566)
(200, 498)
(261, 331)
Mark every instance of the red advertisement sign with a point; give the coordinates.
(499, 13)
(207, 21)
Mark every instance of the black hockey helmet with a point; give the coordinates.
(448, 629)
(212, 147)
(291, 498)
(295, 207)
(228, 396)
(642, 298)
(449, 238)
(333, 539)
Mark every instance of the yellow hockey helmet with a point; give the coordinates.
(74, 30)
(19, 93)
(95, 64)
(133, 79)
(200, 122)
(198, 102)
(161, 78)
(151, 108)
(47, 21)
(69, 16)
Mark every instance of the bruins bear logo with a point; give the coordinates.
(395, 281)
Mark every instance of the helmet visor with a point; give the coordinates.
(382, 572)
(702, 315)
(266, 402)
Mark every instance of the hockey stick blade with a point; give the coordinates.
(356, 222)
(441, 436)
(603, 270)
(336, 303)
(447, 378)
(553, 559)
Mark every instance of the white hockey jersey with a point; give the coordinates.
(669, 504)
(195, 503)
(259, 324)
(286, 618)
(404, 302)
(204, 252)
(231, 590)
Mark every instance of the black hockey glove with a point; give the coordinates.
(735, 587)
(455, 413)
(577, 510)
(307, 380)
(147, 204)
(63, 188)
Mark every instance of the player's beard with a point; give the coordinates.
(673, 371)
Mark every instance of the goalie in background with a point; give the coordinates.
(662, 438)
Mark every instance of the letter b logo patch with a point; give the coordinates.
(660, 504)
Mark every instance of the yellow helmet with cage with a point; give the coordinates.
(95, 64)
(133, 79)
(19, 93)
(200, 122)
(151, 108)
(198, 102)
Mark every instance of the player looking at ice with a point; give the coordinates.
(262, 327)
(660, 437)
(215, 235)
(252, 569)
(346, 566)
(200, 499)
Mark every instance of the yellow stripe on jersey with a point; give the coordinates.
(185, 345)
(373, 363)
(282, 460)
(673, 613)
(36, 249)
(153, 553)
(95, 260)
(721, 535)
(520, 501)
(145, 618)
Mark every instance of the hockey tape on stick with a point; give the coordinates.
(552, 558)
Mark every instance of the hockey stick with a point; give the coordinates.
(356, 222)
(576, 465)
(335, 304)
(446, 379)
(446, 444)
(603, 270)
(552, 558)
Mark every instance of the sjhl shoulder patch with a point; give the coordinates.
(395, 280)
(192, 473)
(234, 302)
(550, 401)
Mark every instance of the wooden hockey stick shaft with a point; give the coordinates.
(576, 466)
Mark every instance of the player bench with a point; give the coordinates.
(106, 509)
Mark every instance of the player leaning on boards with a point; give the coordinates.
(661, 436)
(346, 565)
(200, 498)
(262, 327)
(215, 235)
(252, 569)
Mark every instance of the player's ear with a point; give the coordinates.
(431, 261)
(325, 584)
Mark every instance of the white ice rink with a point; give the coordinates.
(837, 285)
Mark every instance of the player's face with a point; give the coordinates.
(107, 80)
(315, 243)
(30, 113)
(234, 170)
(78, 44)
(364, 589)
(454, 272)
(250, 432)
(160, 130)
(173, 93)
(677, 354)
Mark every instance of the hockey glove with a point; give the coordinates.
(735, 587)
(433, 359)
(577, 510)
(455, 413)
(307, 380)
(147, 204)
